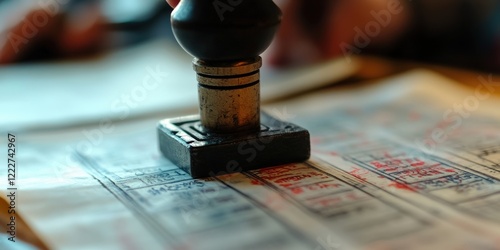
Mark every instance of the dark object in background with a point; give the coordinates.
(459, 33)
(47, 30)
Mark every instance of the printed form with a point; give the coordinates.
(410, 163)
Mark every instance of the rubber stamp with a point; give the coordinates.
(230, 134)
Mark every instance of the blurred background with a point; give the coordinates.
(460, 33)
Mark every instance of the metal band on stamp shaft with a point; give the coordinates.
(229, 95)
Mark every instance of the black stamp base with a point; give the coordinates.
(201, 154)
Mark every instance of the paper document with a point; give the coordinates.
(395, 165)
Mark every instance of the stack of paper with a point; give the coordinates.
(412, 162)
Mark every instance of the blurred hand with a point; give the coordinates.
(30, 25)
(313, 31)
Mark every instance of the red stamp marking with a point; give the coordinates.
(359, 173)
(297, 190)
(417, 164)
(299, 177)
(401, 186)
(276, 172)
(256, 182)
(347, 197)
